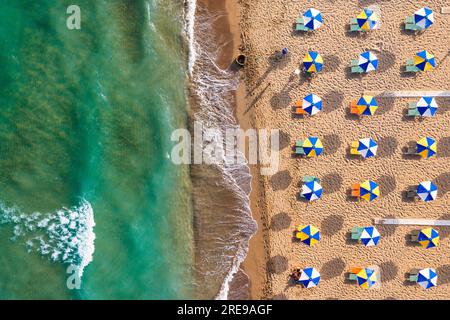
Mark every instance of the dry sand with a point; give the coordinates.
(267, 25)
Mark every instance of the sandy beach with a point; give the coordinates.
(267, 26)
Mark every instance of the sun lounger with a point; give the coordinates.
(410, 25)
(413, 112)
(410, 67)
(411, 194)
(356, 233)
(413, 275)
(310, 178)
(300, 25)
(352, 277)
(411, 150)
(299, 147)
(355, 190)
(414, 237)
(354, 25)
(355, 68)
(298, 110)
(354, 148)
(353, 107)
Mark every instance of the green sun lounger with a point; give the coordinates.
(299, 147)
(410, 24)
(300, 25)
(413, 277)
(356, 233)
(410, 67)
(413, 112)
(354, 25)
(355, 67)
(352, 277)
(310, 178)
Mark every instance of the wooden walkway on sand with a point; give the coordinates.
(413, 222)
(407, 94)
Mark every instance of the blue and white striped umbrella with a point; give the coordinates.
(312, 190)
(427, 278)
(424, 18)
(312, 104)
(370, 236)
(427, 191)
(367, 148)
(368, 61)
(312, 19)
(309, 277)
(427, 106)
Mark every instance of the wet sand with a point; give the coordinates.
(267, 26)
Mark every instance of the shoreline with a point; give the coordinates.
(250, 281)
(254, 265)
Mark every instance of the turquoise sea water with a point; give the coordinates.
(85, 123)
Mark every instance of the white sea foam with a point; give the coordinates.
(190, 7)
(65, 236)
(215, 88)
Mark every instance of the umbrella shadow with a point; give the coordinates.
(285, 139)
(277, 264)
(332, 101)
(389, 271)
(280, 100)
(443, 182)
(281, 180)
(387, 146)
(331, 225)
(386, 60)
(443, 274)
(443, 147)
(387, 230)
(387, 183)
(331, 143)
(443, 104)
(280, 221)
(385, 105)
(332, 269)
(331, 63)
(331, 182)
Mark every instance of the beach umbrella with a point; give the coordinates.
(428, 238)
(313, 147)
(427, 191)
(427, 278)
(424, 18)
(368, 61)
(367, 19)
(312, 190)
(426, 147)
(313, 62)
(369, 190)
(370, 236)
(367, 148)
(312, 104)
(312, 19)
(366, 105)
(427, 106)
(309, 277)
(424, 61)
(308, 234)
(366, 278)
